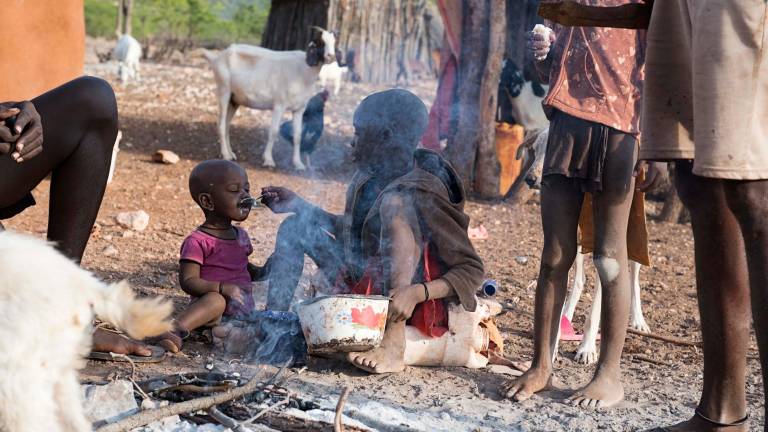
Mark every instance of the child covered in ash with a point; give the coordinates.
(213, 266)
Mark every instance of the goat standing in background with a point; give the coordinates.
(127, 52)
(263, 79)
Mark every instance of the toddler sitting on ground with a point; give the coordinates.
(213, 266)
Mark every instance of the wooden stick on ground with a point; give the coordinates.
(651, 360)
(338, 425)
(146, 417)
(670, 339)
(226, 420)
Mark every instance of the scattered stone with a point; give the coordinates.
(109, 251)
(127, 234)
(135, 220)
(165, 156)
(522, 260)
(108, 237)
(110, 402)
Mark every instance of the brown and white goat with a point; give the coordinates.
(263, 79)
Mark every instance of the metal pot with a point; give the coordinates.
(343, 323)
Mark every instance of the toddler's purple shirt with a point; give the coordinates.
(222, 261)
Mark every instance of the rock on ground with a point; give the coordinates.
(135, 220)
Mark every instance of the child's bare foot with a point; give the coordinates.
(532, 381)
(171, 342)
(388, 357)
(604, 391)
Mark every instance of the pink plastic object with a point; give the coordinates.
(566, 330)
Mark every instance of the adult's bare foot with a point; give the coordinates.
(698, 424)
(388, 357)
(106, 341)
(532, 381)
(604, 391)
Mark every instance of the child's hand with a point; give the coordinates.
(280, 199)
(403, 300)
(232, 293)
(539, 43)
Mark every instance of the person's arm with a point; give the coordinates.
(539, 47)
(192, 284)
(449, 238)
(573, 14)
(21, 130)
(284, 200)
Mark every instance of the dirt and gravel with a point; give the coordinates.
(174, 108)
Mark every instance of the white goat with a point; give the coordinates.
(334, 73)
(263, 79)
(47, 305)
(127, 52)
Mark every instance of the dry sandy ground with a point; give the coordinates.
(174, 108)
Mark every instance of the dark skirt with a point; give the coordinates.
(576, 148)
(18, 207)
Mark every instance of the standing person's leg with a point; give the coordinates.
(561, 200)
(79, 128)
(611, 215)
(723, 294)
(296, 237)
(749, 202)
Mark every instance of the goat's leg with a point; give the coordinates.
(586, 353)
(137, 68)
(224, 119)
(337, 85)
(578, 286)
(231, 111)
(68, 399)
(636, 318)
(277, 115)
(297, 132)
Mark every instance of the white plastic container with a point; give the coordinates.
(343, 323)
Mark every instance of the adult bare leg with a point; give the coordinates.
(611, 214)
(724, 304)
(79, 128)
(748, 201)
(561, 200)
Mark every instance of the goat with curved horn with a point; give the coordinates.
(318, 28)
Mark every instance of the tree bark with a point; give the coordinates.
(462, 146)
(128, 20)
(120, 16)
(290, 21)
(487, 168)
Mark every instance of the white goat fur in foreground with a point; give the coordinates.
(332, 72)
(127, 52)
(47, 305)
(263, 79)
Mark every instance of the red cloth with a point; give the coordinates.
(440, 114)
(431, 316)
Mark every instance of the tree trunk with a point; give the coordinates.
(462, 146)
(290, 21)
(120, 16)
(128, 20)
(487, 168)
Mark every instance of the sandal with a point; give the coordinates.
(158, 354)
